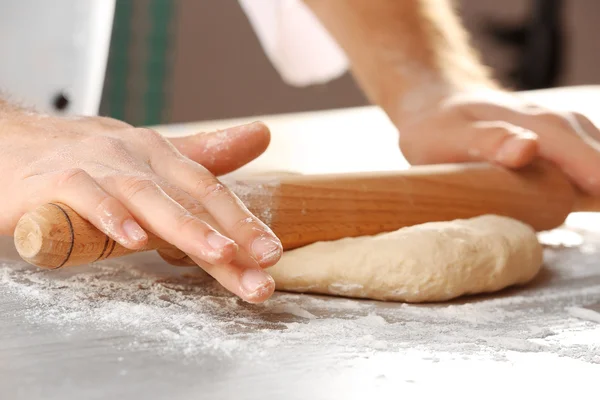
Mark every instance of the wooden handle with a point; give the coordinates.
(306, 209)
(55, 236)
(586, 203)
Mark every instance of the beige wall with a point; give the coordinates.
(220, 70)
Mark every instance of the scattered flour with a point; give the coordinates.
(181, 312)
(344, 288)
(292, 309)
(258, 197)
(189, 315)
(584, 313)
(560, 238)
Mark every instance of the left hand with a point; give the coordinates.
(500, 127)
(127, 181)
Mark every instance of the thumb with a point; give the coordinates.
(497, 141)
(226, 150)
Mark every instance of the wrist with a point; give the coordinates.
(408, 104)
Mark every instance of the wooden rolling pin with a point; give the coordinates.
(303, 209)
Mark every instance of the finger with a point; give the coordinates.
(569, 143)
(224, 206)
(176, 257)
(227, 150)
(243, 277)
(80, 191)
(585, 129)
(507, 144)
(154, 209)
(498, 142)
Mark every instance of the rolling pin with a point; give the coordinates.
(303, 209)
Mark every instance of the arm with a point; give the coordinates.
(406, 54)
(412, 57)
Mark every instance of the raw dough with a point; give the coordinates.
(429, 262)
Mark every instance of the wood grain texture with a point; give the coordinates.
(307, 209)
(303, 209)
(55, 236)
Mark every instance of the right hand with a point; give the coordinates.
(127, 181)
(500, 127)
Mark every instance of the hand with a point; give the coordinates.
(502, 128)
(127, 181)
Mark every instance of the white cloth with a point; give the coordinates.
(297, 44)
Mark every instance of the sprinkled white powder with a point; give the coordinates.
(259, 197)
(560, 238)
(584, 313)
(182, 313)
(216, 144)
(190, 315)
(344, 288)
(291, 309)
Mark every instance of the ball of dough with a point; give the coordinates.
(429, 262)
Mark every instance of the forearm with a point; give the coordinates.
(406, 54)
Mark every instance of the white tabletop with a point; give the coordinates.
(356, 139)
(137, 328)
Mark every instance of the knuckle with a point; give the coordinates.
(134, 186)
(105, 144)
(149, 136)
(496, 128)
(72, 176)
(110, 180)
(412, 151)
(503, 127)
(555, 119)
(469, 110)
(186, 221)
(209, 188)
(196, 209)
(247, 223)
(113, 145)
(108, 207)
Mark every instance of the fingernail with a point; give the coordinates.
(266, 249)
(256, 126)
(218, 241)
(133, 231)
(256, 283)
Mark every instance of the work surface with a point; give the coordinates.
(137, 328)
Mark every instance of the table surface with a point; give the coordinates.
(136, 328)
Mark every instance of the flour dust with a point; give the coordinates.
(181, 312)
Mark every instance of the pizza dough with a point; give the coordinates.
(429, 262)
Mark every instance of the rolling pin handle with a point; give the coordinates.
(54, 236)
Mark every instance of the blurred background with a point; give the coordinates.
(187, 60)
